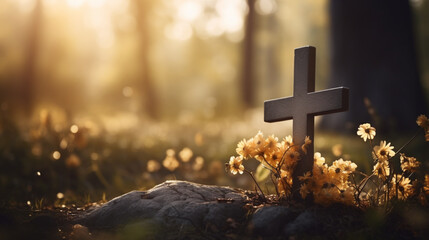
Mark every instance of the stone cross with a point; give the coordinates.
(305, 104)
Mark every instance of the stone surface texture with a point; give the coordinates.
(184, 210)
(176, 205)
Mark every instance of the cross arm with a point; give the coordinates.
(279, 109)
(327, 101)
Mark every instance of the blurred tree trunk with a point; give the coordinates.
(31, 52)
(273, 75)
(247, 78)
(142, 8)
(373, 53)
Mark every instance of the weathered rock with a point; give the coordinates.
(331, 222)
(184, 210)
(269, 221)
(171, 206)
(281, 222)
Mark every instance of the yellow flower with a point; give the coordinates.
(284, 183)
(365, 131)
(337, 150)
(306, 144)
(304, 191)
(403, 185)
(320, 171)
(291, 158)
(382, 170)
(342, 167)
(347, 196)
(235, 165)
(198, 164)
(306, 177)
(409, 163)
(153, 166)
(384, 151)
(349, 167)
(244, 149)
(426, 185)
(423, 122)
(186, 154)
(270, 144)
(171, 163)
(288, 141)
(318, 159)
(273, 158)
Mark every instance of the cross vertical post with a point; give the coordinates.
(303, 106)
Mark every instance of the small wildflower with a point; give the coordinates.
(403, 185)
(306, 176)
(365, 131)
(426, 185)
(291, 158)
(259, 141)
(382, 170)
(153, 166)
(349, 167)
(306, 144)
(304, 191)
(337, 150)
(270, 144)
(235, 165)
(171, 163)
(318, 159)
(384, 151)
(288, 141)
(244, 149)
(409, 163)
(284, 183)
(423, 122)
(170, 152)
(273, 158)
(347, 196)
(342, 167)
(185, 154)
(199, 163)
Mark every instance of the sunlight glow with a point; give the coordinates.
(26, 6)
(91, 3)
(231, 13)
(74, 128)
(60, 195)
(178, 31)
(266, 7)
(75, 3)
(189, 10)
(56, 155)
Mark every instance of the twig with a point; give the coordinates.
(251, 174)
(409, 141)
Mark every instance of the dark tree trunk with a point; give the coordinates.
(148, 90)
(373, 54)
(29, 68)
(272, 70)
(247, 78)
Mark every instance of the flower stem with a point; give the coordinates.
(409, 141)
(251, 174)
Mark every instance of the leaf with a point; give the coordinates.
(261, 173)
